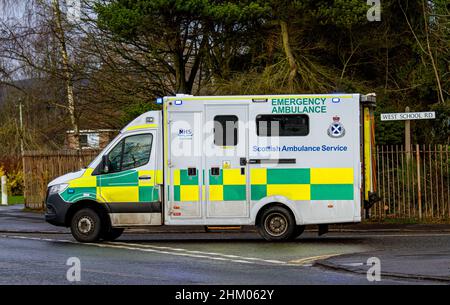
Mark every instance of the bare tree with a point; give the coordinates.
(34, 41)
(60, 36)
(425, 46)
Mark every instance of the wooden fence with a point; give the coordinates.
(42, 167)
(413, 183)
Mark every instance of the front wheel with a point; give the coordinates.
(86, 226)
(277, 224)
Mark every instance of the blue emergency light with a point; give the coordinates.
(159, 100)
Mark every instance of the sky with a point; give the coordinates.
(17, 13)
(15, 9)
(12, 9)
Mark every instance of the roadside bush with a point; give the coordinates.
(15, 181)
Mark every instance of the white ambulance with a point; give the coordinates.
(279, 162)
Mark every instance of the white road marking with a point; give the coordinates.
(353, 264)
(176, 251)
(159, 250)
(310, 260)
(200, 252)
(304, 262)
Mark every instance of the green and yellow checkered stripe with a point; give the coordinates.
(115, 187)
(185, 187)
(293, 183)
(302, 183)
(229, 185)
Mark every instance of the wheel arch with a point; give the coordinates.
(269, 202)
(101, 209)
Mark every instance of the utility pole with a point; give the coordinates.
(407, 138)
(22, 150)
(21, 128)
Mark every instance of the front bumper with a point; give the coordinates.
(56, 210)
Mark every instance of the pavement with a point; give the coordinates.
(14, 219)
(409, 253)
(421, 265)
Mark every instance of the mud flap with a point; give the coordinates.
(373, 198)
(323, 229)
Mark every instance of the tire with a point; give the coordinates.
(112, 234)
(297, 232)
(86, 226)
(277, 224)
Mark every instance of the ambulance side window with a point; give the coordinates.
(115, 158)
(225, 130)
(131, 152)
(282, 125)
(136, 151)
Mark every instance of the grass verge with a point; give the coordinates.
(15, 200)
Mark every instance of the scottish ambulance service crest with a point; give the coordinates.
(336, 129)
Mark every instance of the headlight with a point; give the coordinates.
(56, 189)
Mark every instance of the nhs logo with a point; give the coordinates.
(185, 133)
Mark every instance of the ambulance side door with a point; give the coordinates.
(226, 152)
(185, 169)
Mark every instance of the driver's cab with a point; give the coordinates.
(129, 176)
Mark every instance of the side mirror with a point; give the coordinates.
(105, 164)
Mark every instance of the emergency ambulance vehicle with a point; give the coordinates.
(279, 162)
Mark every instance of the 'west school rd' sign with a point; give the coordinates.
(405, 116)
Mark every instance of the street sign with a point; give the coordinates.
(405, 116)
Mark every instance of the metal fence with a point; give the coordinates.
(413, 183)
(42, 167)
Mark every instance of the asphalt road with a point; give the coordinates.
(226, 258)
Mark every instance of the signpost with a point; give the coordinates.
(4, 192)
(407, 117)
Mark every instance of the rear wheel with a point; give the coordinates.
(277, 223)
(112, 234)
(86, 226)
